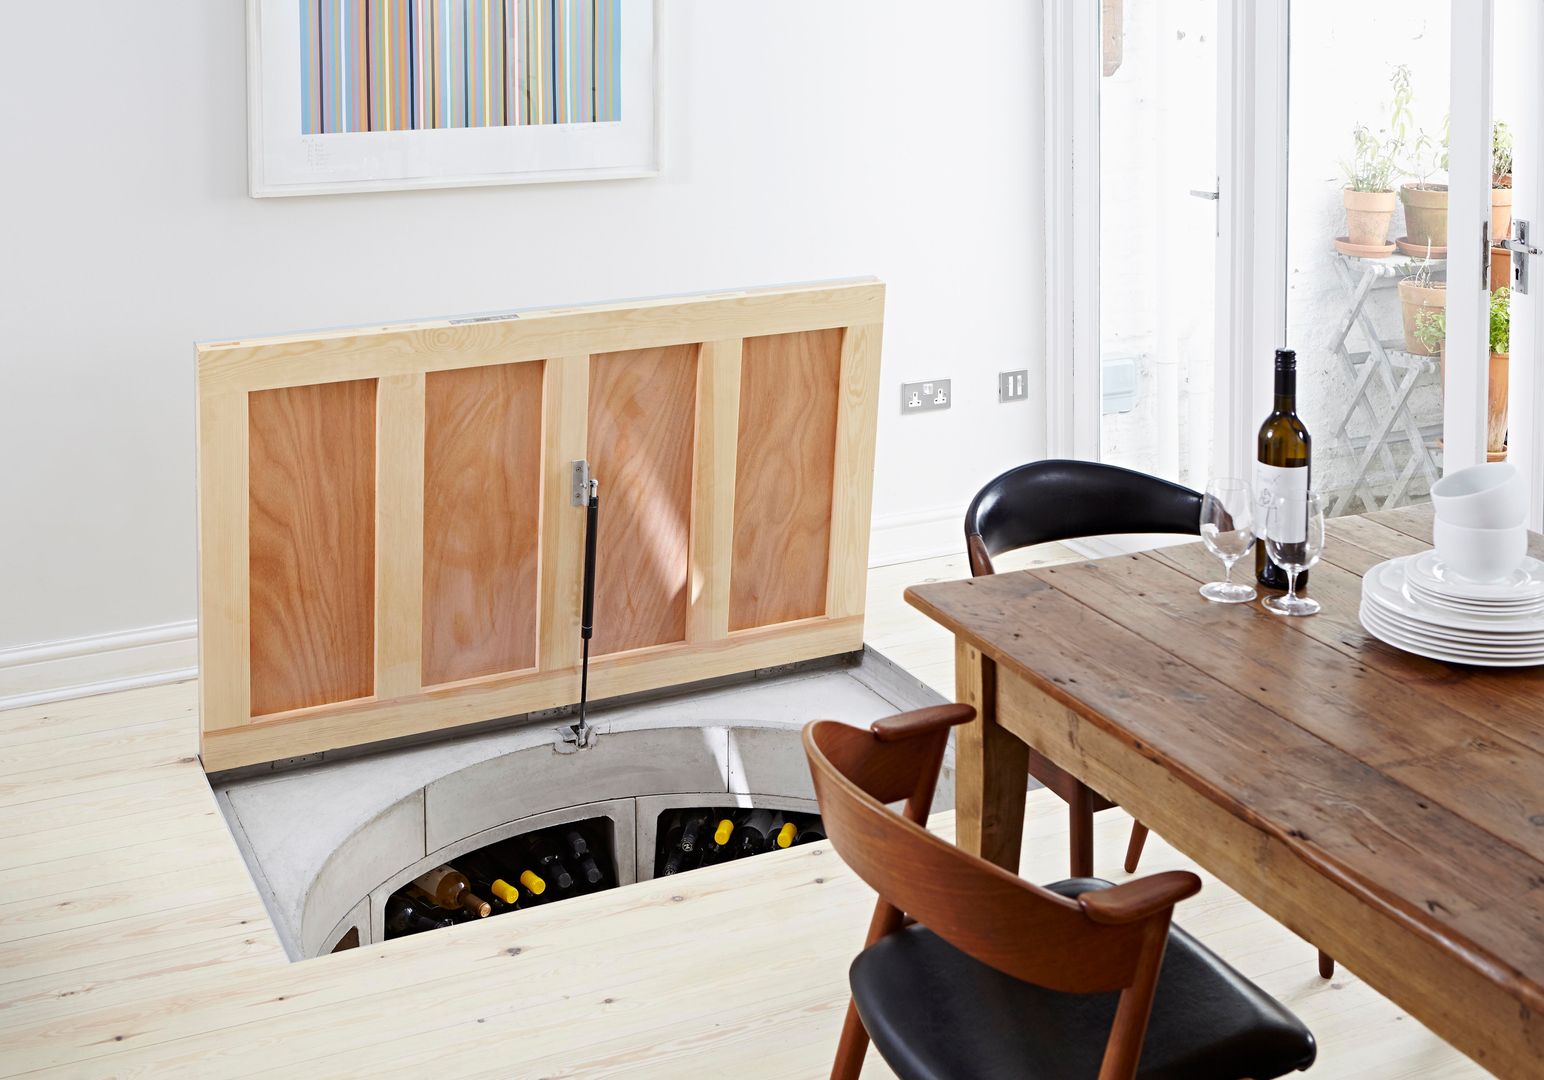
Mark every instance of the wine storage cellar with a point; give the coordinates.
(329, 844)
(413, 538)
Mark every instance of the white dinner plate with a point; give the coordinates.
(1479, 611)
(1521, 603)
(1448, 639)
(1405, 644)
(1385, 584)
(1428, 572)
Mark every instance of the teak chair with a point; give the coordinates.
(1047, 501)
(970, 971)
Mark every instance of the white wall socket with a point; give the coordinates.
(929, 396)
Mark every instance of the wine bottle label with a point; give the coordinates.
(1272, 482)
(430, 882)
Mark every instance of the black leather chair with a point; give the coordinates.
(1047, 501)
(970, 971)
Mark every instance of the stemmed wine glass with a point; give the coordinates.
(1294, 539)
(1227, 527)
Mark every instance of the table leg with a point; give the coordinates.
(991, 767)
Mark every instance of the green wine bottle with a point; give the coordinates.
(1283, 465)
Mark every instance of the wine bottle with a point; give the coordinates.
(487, 879)
(679, 860)
(533, 882)
(1282, 471)
(783, 832)
(691, 832)
(589, 870)
(716, 848)
(753, 834)
(578, 846)
(550, 864)
(450, 890)
(811, 833)
(404, 917)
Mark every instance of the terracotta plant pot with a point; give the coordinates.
(1425, 213)
(1495, 405)
(1412, 299)
(1495, 413)
(1500, 268)
(1368, 214)
(1500, 214)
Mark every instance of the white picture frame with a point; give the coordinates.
(283, 160)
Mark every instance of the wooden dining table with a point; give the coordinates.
(1387, 808)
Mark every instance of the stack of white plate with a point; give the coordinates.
(1419, 605)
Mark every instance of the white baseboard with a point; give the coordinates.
(921, 534)
(79, 667)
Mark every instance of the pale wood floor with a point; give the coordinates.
(133, 944)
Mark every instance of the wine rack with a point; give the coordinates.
(689, 838)
(518, 873)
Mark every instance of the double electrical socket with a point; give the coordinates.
(1013, 385)
(925, 396)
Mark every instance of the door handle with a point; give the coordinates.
(1212, 195)
(1520, 248)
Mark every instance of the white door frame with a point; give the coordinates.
(1471, 32)
(1072, 228)
(1251, 260)
(1526, 394)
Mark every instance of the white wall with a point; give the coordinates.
(803, 139)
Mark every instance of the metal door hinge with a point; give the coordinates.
(1520, 248)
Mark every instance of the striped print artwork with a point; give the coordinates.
(405, 65)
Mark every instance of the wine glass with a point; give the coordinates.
(1227, 527)
(1294, 539)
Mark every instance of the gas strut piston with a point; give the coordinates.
(581, 734)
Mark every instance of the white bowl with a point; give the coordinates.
(1480, 554)
(1489, 496)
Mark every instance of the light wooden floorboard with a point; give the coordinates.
(132, 942)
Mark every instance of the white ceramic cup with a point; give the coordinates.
(1480, 554)
(1489, 496)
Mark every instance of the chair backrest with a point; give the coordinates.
(1046, 501)
(997, 917)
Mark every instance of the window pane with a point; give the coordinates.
(1157, 143)
(1366, 243)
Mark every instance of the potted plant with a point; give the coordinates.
(1369, 193)
(1500, 182)
(1431, 328)
(1420, 292)
(1426, 202)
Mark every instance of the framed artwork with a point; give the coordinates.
(368, 95)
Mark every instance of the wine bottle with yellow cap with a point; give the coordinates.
(753, 834)
(449, 889)
(488, 880)
(783, 832)
(716, 848)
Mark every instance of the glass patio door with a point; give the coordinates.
(1157, 244)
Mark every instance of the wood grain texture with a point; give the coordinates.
(857, 424)
(1383, 806)
(311, 480)
(712, 541)
(641, 419)
(353, 353)
(562, 527)
(399, 535)
(784, 475)
(481, 520)
(224, 594)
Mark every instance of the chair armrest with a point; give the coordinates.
(907, 725)
(1136, 900)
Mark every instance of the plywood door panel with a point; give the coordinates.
(482, 516)
(642, 406)
(783, 477)
(311, 477)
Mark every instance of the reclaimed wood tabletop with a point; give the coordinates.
(1388, 808)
